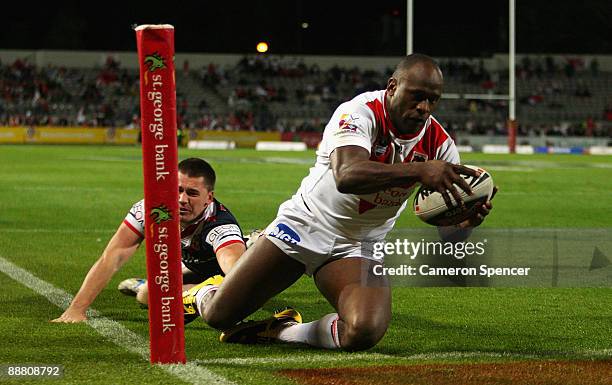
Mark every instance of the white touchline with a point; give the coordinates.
(71, 231)
(112, 330)
(371, 357)
(374, 357)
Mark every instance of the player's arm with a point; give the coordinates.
(228, 256)
(355, 173)
(120, 248)
(228, 244)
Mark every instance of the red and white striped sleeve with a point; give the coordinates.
(135, 218)
(224, 235)
(448, 151)
(445, 145)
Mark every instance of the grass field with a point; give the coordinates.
(59, 205)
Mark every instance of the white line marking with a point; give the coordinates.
(228, 191)
(602, 165)
(72, 231)
(283, 160)
(75, 188)
(257, 192)
(598, 353)
(341, 357)
(557, 193)
(265, 160)
(112, 330)
(106, 159)
(510, 168)
(372, 357)
(540, 165)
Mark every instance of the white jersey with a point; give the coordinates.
(364, 122)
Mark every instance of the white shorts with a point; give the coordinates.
(298, 234)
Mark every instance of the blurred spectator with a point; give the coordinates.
(582, 91)
(608, 113)
(185, 68)
(594, 67)
(551, 66)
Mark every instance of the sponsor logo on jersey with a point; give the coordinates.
(221, 232)
(138, 211)
(285, 233)
(347, 122)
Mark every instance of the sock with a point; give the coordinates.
(322, 333)
(202, 296)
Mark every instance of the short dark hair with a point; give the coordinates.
(196, 167)
(408, 61)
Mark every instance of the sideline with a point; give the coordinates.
(116, 333)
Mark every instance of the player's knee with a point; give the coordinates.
(362, 334)
(217, 318)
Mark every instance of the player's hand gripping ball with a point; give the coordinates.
(430, 207)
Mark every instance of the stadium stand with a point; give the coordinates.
(269, 93)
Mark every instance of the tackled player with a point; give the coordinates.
(211, 241)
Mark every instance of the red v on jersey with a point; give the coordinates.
(432, 139)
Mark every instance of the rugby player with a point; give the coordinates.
(211, 241)
(376, 149)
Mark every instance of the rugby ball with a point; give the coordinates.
(430, 207)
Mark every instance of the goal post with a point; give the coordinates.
(160, 162)
(511, 122)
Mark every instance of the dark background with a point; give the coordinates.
(442, 28)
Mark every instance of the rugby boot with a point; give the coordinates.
(190, 308)
(131, 286)
(264, 331)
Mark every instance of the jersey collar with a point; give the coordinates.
(209, 213)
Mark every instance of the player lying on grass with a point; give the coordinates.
(211, 240)
(375, 150)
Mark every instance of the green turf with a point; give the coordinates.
(60, 204)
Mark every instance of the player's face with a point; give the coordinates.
(413, 96)
(194, 197)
